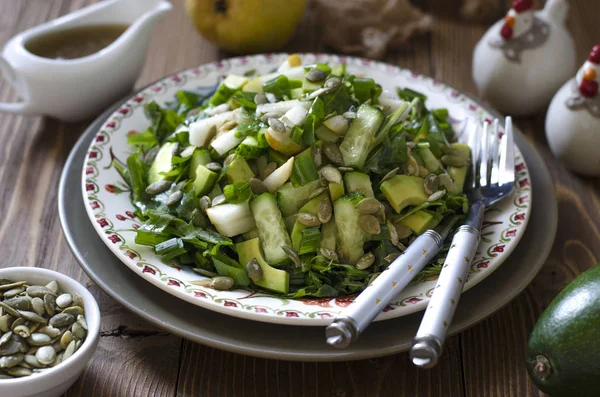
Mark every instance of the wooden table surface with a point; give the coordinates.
(136, 359)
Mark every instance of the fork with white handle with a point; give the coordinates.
(492, 179)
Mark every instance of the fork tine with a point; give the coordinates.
(507, 154)
(495, 154)
(474, 144)
(484, 156)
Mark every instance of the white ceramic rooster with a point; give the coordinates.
(522, 60)
(573, 119)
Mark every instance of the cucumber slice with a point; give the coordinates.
(200, 157)
(357, 141)
(328, 234)
(271, 228)
(250, 148)
(349, 235)
(431, 162)
(290, 198)
(273, 279)
(358, 182)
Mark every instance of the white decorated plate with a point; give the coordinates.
(108, 205)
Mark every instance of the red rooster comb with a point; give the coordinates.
(522, 5)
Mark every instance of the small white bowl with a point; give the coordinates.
(55, 381)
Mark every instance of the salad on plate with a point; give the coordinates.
(305, 182)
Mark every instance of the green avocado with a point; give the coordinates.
(309, 208)
(563, 353)
(273, 279)
(421, 221)
(403, 190)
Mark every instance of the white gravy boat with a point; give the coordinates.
(75, 89)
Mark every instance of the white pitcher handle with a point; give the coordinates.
(557, 10)
(8, 72)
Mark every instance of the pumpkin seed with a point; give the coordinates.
(202, 283)
(50, 331)
(437, 195)
(154, 188)
(5, 338)
(332, 83)
(11, 361)
(45, 355)
(454, 160)
(390, 174)
(260, 98)
(65, 339)
(19, 371)
(11, 293)
(4, 376)
(332, 152)
(411, 167)
(345, 169)
(6, 321)
(368, 206)
(175, 149)
(19, 303)
(329, 254)
(268, 170)
(77, 300)
(22, 330)
(50, 304)
(369, 224)
(62, 320)
(9, 310)
(150, 155)
(277, 125)
(39, 339)
(214, 166)
(431, 183)
(174, 198)
(64, 300)
(10, 285)
(343, 255)
(289, 251)
(331, 174)
(73, 311)
(446, 182)
(317, 192)
(228, 126)
(393, 233)
(78, 331)
(315, 74)
(254, 270)
(229, 159)
(324, 211)
(10, 348)
(270, 115)
(17, 322)
(349, 115)
(365, 261)
(257, 186)
(317, 156)
(82, 321)
(271, 97)
(222, 283)
(31, 316)
(220, 199)
(307, 219)
(69, 350)
(31, 360)
(37, 304)
(403, 231)
(204, 203)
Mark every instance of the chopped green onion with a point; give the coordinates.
(408, 95)
(148, 238)
(237, 192)
(311, 238)
(279, 86)
(363, 88)
(304, 170)
(146, 139)
(168, 246)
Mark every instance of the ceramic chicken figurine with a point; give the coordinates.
(573, 119)
(522, 60)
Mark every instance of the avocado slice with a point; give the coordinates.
(358, 182)
(239, 171)
(162, 163)
(404, 190)
(205, 179)
(420, 221)
(563, 352)
(459, 174)
(273, 279)
(309, 208)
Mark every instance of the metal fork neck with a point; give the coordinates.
(475, 216)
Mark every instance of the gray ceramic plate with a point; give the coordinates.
(281, 341)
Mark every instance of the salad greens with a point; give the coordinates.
(306, 182)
